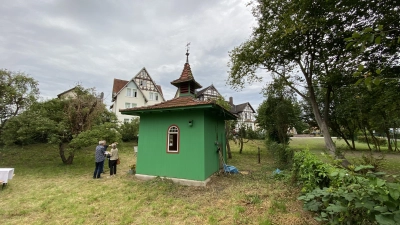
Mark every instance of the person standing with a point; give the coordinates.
(99, 159)
(113, 159)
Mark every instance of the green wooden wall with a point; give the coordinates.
(214, 131)
(197, 158)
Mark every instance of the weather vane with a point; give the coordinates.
(187, 52)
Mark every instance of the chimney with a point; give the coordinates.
(230, 100)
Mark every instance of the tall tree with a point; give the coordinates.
(302, 42)
(17, 92)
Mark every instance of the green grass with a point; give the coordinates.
(45, 191)
(390, 161)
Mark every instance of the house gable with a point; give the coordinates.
(209, 92)
(146, 83)
(140, 91)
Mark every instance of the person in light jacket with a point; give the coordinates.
(113, 159)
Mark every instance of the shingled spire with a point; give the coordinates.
(186, 83)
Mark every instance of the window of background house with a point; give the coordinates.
(126, 120)
(173, 139)
(129, 92)
(151, 95)
(134, 92)
(127, 105)
(156, 96)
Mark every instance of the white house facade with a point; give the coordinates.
(244, 111)
(140, 91)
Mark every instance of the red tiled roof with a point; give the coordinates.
(186, 76)
(176, 102)
(185, 101)
(118, 85)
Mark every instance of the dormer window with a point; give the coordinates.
(173, 139)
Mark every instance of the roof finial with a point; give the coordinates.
(187, 52)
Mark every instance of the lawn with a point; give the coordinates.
(390, 162)
(44, 191)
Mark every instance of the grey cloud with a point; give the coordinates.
(64, 42)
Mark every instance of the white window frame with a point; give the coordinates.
(127, 105)
(129, 92)
(156, 96)
(151, 95)
(173, 132)
(126, 120)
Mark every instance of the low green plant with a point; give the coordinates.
(310, 172)
(346, 196)
(282, 154)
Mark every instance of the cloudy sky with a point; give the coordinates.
(65, 42)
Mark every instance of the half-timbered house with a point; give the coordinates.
(140, 91)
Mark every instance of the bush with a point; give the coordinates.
(255, 134)
(129, 131)
(362, 139)
(310, 172)
(282, 154)
(346, 197)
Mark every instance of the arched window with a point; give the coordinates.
(173, 139)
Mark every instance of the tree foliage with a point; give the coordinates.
(302, 42)
(17, 92)
(129, 131)
(279, 112)
(70, 124)
(377, 44)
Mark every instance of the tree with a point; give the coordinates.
(377, 43)
(129, 131)
(302, 42)
(228, 124)
(70, 124)
(278, 112)
(17, 92)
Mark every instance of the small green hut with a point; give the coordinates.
(179, 138)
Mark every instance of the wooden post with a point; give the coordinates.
(259, 156)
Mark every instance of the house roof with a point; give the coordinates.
(184, 102)
(239, 108)
(186, 76)
(118, 85)
(205, 89)
(159, 88)
(59, 95)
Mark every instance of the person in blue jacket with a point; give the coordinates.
(99, 159)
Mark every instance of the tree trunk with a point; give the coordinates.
(65, 160)
(366, 137)
(228, 146)
(241, 144)
(325, 131)
(389, 140)
(376, 141)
